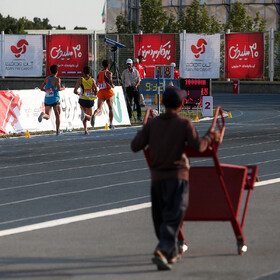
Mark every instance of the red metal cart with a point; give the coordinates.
(218, 194)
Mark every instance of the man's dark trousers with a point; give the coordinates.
(131, 93)
(169, 204)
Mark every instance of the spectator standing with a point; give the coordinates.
(142, 72)
(176, 72)
(131, 80)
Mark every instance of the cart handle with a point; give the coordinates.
(220, 124)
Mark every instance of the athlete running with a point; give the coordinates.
(52, 86)
(87, 95)
(105, 93)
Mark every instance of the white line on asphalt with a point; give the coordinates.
(95, 215)
(74, 219)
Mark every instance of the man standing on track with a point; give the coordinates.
(105, 93)
(52, 86)
(87, 96)
(131, 80)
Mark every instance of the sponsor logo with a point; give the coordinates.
(149, 52)
(199, 48)
(20, 48)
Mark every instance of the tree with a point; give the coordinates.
(153, 17)
(238, 21)
(196, 19)
(12, 25)
(124, 26)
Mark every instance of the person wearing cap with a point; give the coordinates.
(167, 136)
(176, 72)
(131, 80)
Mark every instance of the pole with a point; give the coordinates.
(94, 56)
(271, 54)
(158, 91)
(2, 54)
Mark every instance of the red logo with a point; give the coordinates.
(9, 104)
(20, 48)
(199, 48)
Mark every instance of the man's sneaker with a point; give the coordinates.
(92, 121)
(139, 119)
(111, 126)
(41, 117)
(160, 261)
(83, 115)
(87, 132)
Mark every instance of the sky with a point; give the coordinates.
(68, 13)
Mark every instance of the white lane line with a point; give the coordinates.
(77, 210)
(63, 160)
(94, 215)
(74, 219)
(267, 182)
(70, 168)
(87, 150)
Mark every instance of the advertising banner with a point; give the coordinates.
(19, 111)
(244, 55)
(22, 56)
(200, 56)
(68, 52)
(157, 49)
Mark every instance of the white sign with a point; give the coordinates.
(200, 56)
(19, 111)
(207, 106)
(22, 56)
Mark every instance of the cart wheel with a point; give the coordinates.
(241, 248)
(182, 247)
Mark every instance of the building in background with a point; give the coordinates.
(269, 9)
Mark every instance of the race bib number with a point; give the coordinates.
(102, 85)
(49, 92)
(89, 93)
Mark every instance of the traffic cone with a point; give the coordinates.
(229, 115)
(196, 119)
(27, 134)
(106, 127)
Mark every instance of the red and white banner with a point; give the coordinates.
(19, 111)
(68, 52)
(157, 49)
(244, 55)
(200, 56)
(22, 56)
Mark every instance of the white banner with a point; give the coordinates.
(22, 56)
(200, 56)
(20, 110)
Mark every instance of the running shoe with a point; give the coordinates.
(58, 133)
(83, 115)
(40, 117)
(111, 126)
(87, 132)
(140, 119)
(92, 121)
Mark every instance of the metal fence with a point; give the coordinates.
(103, 51)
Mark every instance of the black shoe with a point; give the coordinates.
(160, 261)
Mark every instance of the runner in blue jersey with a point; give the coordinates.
(52, 86)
